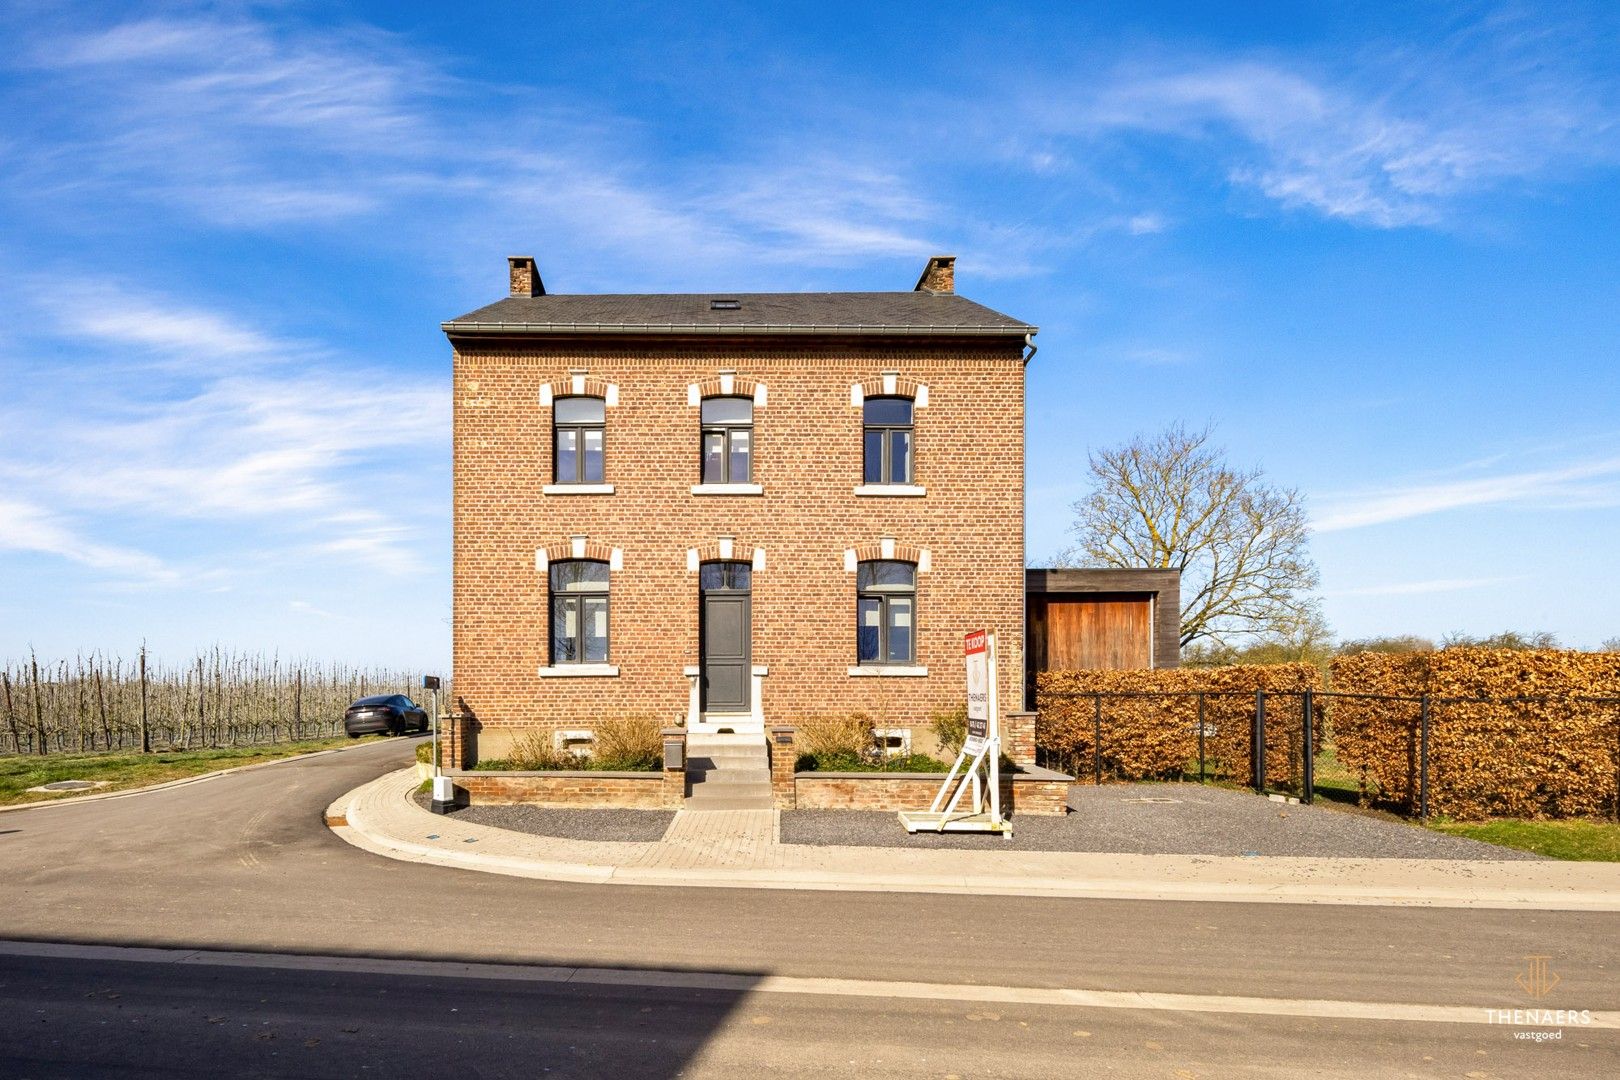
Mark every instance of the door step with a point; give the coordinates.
(727, 772)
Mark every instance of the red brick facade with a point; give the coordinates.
(965, 531)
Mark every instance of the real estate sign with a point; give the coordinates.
(975, 649)
(978, 766)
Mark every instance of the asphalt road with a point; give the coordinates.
(243, 862)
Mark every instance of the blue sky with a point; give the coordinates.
(1373, 244)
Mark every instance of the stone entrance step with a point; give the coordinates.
(727, 772)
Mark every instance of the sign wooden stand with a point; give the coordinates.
(978, 765)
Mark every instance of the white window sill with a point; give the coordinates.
(728, 489)
(893, 671)
(892, 491)
(580, 671)
(577, 489)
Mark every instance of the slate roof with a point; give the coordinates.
(895, 313)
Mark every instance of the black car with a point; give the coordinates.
(391, 713)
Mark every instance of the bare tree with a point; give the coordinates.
(1170, 501)
(1507, 639)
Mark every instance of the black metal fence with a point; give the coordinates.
(1283, 742)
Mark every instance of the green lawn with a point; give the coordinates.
(1586, 841)
(126, 770)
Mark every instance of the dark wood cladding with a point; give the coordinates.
(1100, 619)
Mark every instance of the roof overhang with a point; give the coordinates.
(511, 329)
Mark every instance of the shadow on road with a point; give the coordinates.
(185, 1013)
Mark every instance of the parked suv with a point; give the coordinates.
(391, 713)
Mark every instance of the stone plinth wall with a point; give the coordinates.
(573, 790)
(1034, 792)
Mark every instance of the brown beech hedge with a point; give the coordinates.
(1513, 733)
(1156, 736)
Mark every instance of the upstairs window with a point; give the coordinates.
(888, 445)
(579, 612)
(886, 612)
(578, 436)
(728, 440)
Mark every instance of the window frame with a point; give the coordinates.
(886, 475)
(726, 430)
(575, 598)
(882, 595)
(579, 429)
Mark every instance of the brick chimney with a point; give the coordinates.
(939, 276)
(525, 278)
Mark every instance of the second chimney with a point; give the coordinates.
(939, 275)
(525, 278)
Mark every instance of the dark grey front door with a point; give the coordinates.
(725, 632)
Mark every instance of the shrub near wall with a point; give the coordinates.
(1549, 754)
(1156, 737)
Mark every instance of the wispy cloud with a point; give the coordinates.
(123, 318)
(1584, 485)
(255, 126)
(300, 441)
(25, 526)
(1380, 136)
(1419, 588)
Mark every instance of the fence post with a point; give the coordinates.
(1096, 741)
(1202, 772)
(146, 730)
(1307, 784)
(1258, 750)
(1423, 759)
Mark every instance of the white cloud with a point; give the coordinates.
(260, 126)
(1146, 224)
(297, 442)
(1389, 138)
(28, 527)
(1419, 588)
(1584, 485)
(121, 317)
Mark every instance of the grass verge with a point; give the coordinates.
(18, 773)
(1577, 840)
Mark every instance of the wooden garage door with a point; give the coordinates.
(1091, 632)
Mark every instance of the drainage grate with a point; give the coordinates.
(1151, 800)
(69, 785)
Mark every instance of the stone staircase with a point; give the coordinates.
(727, 772)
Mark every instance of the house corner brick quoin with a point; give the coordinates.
(736, 510)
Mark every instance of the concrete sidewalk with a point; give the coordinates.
(740, 849)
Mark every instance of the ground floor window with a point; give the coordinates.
(886, 612)
(579, 612)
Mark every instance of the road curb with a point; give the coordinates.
(74, 800)
(357, 828)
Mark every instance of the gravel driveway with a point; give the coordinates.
(1163, 819)
(628, 826)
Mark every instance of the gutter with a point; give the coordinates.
(499, 328)
(1029, 343)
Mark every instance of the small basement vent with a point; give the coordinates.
(893, 742)
(578, 743)
(725, 305)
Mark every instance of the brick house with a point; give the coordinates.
(732, 510)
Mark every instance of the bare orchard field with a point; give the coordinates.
(217, 700)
